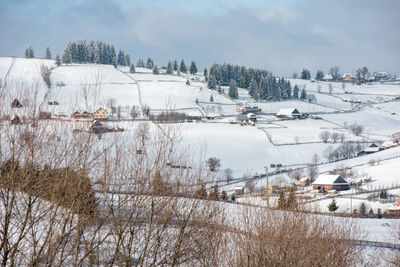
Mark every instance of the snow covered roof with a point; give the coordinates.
(327, 77)
(288, 112)
(373, 148)
(304, 179)
(330, 180)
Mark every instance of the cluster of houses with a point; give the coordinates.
(376, 147)
(347, 77)
(247, 115)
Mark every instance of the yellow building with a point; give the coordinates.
(100, 114)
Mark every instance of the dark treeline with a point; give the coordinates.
(261, 84)
(93, 52)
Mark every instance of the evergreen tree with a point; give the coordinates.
(29, 52)
(182, 67)
(187, 82)
(193, 68)
(66, 57)
(379, 213)
(175, 67)
(319, 75)
(132, 69)
(178, 72)
(303, 95)
(305, 74)
(211, 98)
(114, 62)
(205, 74)
(296, 92)
(233, 91)
(332, 207)
(371, 212)
(150, 63)
(127, 60)
(212, 83)
(383, 194)
(48, 53)
(121, 58)
(155, 70)
(253, 87)
(362, 209)
(58, 61)
(140, 63)
(169, 68)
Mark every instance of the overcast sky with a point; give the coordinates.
(280, 36)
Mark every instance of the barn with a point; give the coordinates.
(330, 182)
(288, 113)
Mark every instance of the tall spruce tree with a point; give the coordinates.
(205, 74)
(319, 76)
(212, 83)
(66, 57)
(132, 69)
(140, 63)
(296, 91)
(169, 68)
(48, 53)
(114, 62)
(303, 94)
(127, 60)
(182, 67)
(233, 91)
(121, 58)
(175, 67)
(193, 68)
(305, 74)
(29, 52)
(156, 70)
(150, 63)
(58, 61)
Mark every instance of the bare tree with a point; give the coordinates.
(335, 137)
(334, 71)
(324, 135)
(213, 163)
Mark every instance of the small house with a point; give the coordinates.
(330, 182)
(252, 117)
(373, 148)
(394, 209)
(242, 118)
(100, 114)
(347, 77)
(327, 78)
(248, 109)
(16, 120)
(239, 190)
(43, 115)
(380, 76)
(16, 104)
(304, 181)
(288, 113)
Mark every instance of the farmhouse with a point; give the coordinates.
(327, 78)
(288, 113)
(247, 109)
(373, 148)
(380, 76)
(330, 182)
(100, 114)
(304, 181)
(348, 77)
(16, 104)
(242, 118)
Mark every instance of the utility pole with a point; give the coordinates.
(266, 176)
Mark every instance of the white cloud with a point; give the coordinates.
(275, 12)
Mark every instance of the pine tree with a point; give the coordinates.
(296, 92)
(253, 87)
(140, 63)
(58, 61)
(66, 57)
(305, 74)
(48, 53)
(132, 69)
(155, 70)
(114, 62)
(29, 52)
(169, 68)
(233, 91)
(150, 63)
(332, 207)
(212, 83)
(127, 60)
(187, 82)
(379, 213)
(211, 98)
(205, 74)
(383, 194)
(362, 209)
(175, 67)
(303, 95)
(178, 72)
(319, 75)
(182, 67)
(121, 58)
(193, 68)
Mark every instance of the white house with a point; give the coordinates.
(330, 182)
(327, 78)
(373, 148)
(288, 113)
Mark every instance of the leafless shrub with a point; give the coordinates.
(45, 72)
